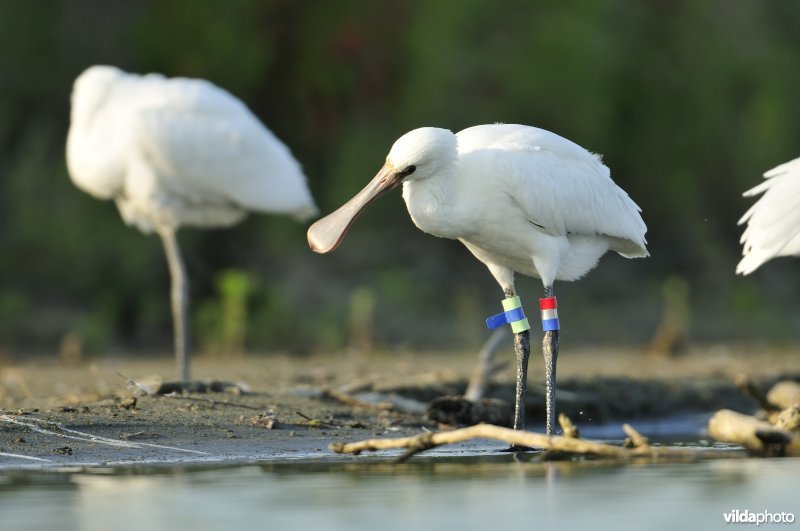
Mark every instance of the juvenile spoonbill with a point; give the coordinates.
(773, 222)
(175, 152)
(521, 199)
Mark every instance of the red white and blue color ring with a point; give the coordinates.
(549, 307)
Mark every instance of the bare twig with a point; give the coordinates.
(635, 439)
(133, 384)
(427, 440)
(316, 422)
(567, 427)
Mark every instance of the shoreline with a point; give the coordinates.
(53, 416)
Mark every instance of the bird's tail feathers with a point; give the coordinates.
(749, 263)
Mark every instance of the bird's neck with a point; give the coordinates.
(430, 203)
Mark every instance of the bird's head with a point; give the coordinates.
(419, 154)
(91, 88)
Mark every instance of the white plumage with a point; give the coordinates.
(773, 222)
(521, 199)
(175, 152)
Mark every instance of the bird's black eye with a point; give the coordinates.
(408, 171)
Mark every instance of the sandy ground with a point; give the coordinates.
(90, 414)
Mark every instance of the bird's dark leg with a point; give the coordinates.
(179, 296)
(550, 352)
(522, 349)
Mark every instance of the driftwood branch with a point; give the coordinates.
(569, 429)
(784, 394)
(634, 439)
(749, 389)
(778, 435)
(789, 419)
(759, 437)
(566, 445)
(486, 366)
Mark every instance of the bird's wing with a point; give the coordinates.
(773, 222)
(205, 144)
(561, 187)
(482, 136)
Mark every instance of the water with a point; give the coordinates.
(475, 492)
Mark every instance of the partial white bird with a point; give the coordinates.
(175, 152)
(773, 222)
(521, 199)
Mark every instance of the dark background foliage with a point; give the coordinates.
(688, 101)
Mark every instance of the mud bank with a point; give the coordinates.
(286, 408)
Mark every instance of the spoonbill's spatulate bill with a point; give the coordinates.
(174, 152)
(773, 222)
(521, 199)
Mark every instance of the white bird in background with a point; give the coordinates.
(521, 199)
(773, 222)
(175, 152)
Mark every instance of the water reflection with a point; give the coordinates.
(371, 493)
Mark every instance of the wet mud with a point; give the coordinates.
(277, 408)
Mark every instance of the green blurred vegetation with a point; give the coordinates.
(688, 101)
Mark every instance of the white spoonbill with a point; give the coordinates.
(175, 152)
(773, 222)
(521, 199)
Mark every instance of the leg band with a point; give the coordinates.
(549, 307)
(513, 315)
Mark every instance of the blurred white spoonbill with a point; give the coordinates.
(174, 152)
(773, 222)
(522, 200)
